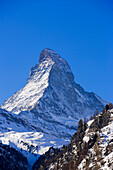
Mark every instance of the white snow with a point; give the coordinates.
(111, 110)
(90, 122)
(29, 96)
(86, 139)
(15, 139)
(59, 117)
(106, 135)
(19, 137)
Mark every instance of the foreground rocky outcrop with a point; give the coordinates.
(91, 147)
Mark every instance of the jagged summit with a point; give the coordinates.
(48, 54)
(51, 100)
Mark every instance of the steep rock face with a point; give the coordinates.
(51, 101)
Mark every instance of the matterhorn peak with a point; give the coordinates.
(48, 54)
(51, 98)
(49, 59)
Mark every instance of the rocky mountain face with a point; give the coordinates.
(91, 147)
(51, 102)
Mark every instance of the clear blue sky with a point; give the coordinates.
(81, 31)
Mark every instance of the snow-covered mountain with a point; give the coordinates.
(16, 133)
(51, 102)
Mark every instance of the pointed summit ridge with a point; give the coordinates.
(48, 54)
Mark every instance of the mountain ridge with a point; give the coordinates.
(51, 100)
(45, 113)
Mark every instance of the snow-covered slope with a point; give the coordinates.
(91, 147)
(101, 154)
(51, 102)
(16, 133)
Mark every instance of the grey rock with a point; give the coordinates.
(51, 101)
